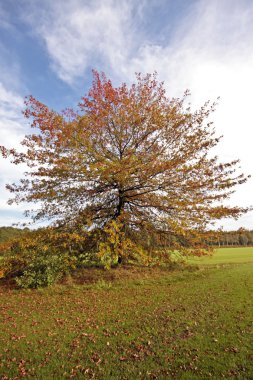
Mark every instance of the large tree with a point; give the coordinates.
(130, 159)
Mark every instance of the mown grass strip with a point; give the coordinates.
(234, 255)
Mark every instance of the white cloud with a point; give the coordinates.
(12, 130)
(77, 33)
(12, 125)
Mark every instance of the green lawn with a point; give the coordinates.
(180, 325)
(226, 256)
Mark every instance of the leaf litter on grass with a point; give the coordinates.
(179, 325)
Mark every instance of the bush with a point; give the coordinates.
(45, 270)
(39, 258)
(87, 259)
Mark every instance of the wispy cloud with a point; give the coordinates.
(12, 124)
(78, 33)
(109, 34)
(5, 22)
(12, 130)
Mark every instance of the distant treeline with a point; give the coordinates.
(8, 233)
(240, 237)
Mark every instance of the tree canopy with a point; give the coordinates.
(130, 165)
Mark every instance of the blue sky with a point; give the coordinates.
(48, 48)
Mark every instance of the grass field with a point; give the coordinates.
(159, 325)
(226, 256)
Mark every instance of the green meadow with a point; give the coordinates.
(234, 255)
(194, 323)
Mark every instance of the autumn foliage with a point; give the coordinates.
(130, 171)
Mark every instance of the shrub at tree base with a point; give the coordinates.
(129, 175)
(42, 257)
(43, 271)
